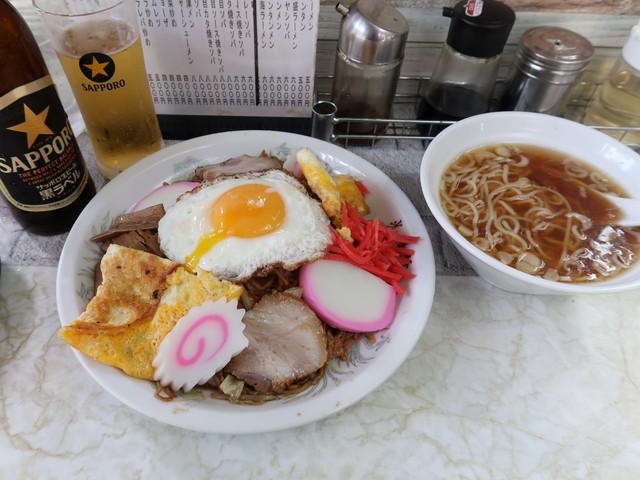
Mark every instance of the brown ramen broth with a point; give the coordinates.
(533, 209)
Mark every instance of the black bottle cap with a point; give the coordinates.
(479, 28)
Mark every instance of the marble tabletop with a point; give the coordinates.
(499, 386)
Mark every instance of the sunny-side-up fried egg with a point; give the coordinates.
(238, 225)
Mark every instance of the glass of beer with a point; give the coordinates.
(98, 44)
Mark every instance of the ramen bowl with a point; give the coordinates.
(609, 156)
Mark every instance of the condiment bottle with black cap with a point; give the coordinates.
(465, 73)
(371, 43)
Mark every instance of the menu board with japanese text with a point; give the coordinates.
(230, 57)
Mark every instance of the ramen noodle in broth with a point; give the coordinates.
(534, 209)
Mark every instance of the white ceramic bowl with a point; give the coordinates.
(589, 145)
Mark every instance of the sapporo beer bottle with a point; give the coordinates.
(43, 176)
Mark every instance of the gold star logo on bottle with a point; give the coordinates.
(34, 125)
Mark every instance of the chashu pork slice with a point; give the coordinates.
(287, 342)
(233, 166)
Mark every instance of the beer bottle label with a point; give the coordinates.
(41, 167)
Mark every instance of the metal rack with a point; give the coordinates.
(405, 126)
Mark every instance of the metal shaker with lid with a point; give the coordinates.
(370, 51)
(548, 62)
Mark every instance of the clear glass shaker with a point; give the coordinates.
(369, 56)
(617, 103)
(465, 73)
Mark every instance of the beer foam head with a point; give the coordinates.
(106, 36)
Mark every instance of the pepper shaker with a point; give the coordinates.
(548, 62)
(369, 56)
(465, 73)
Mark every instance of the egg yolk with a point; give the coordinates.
(246, 211)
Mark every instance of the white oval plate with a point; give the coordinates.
(344, 383)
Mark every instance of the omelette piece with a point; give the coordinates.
(350, 193)
(321, 183)
(141, 299)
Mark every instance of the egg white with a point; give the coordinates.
(303, 235)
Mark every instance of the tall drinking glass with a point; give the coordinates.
(98, 44)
